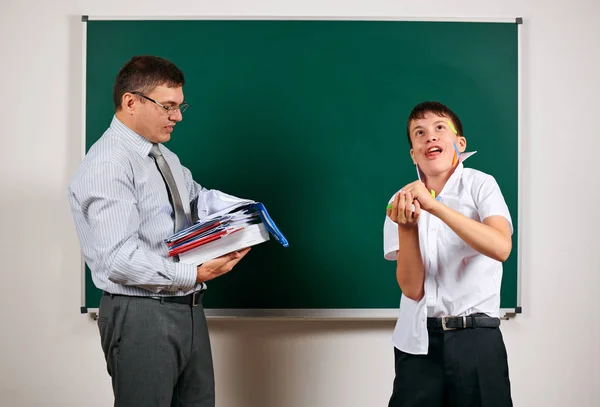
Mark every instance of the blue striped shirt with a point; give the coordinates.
(122, 214)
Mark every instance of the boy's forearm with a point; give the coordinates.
(483, 238)
(410, 271)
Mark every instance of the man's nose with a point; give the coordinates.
(176, 116)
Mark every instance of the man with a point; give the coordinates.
(130, 193)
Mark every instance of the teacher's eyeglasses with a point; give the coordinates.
(169, 109)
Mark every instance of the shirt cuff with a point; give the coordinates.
(185, 276)
(390, 253)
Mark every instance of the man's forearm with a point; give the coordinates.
(410, 271)
(133, 266)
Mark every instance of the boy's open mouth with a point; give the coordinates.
(432, 152)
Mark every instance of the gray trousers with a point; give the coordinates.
(157, 353)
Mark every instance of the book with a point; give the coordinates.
(244, 224)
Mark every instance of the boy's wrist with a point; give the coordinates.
(406, 230)
(436, 208)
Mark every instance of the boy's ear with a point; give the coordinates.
(461, 143)
(412, 155)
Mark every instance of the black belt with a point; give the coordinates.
(193, 299)
(450, 322)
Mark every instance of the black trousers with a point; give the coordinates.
(463, 368)
(157, 353)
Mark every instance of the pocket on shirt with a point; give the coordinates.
(448, 236)
(451, 239)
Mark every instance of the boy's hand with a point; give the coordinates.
(401, 209)
(421, 195)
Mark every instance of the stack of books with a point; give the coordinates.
(242, 225)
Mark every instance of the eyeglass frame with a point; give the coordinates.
(169, 109)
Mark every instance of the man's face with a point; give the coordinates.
(433, 140)
(152, 121)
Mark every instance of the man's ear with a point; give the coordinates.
(128, 103)
(461, 143)
(412, 155)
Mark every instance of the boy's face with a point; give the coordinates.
(433, 140)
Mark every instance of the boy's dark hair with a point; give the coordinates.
(143, 74)
(436, 108)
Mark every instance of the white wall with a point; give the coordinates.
(50, 354)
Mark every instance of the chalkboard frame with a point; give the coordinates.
(331, 314)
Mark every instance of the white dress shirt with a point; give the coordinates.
(122, 214)
(458, 280)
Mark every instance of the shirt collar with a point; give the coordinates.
(455, 175)
(138, 143)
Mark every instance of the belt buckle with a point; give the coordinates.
(445, 318)
(195, 296)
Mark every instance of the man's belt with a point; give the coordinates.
(193, 299)
(451, 322)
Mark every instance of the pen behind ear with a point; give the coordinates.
(456, 155)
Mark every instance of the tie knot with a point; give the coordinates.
(155, 151)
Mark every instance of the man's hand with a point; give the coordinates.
(419, 192)
(401, 210)
(219, 266)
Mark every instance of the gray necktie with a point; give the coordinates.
(163, 167)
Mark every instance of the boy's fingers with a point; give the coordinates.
(401, 203)
(394, 209)
(417, 211)
(408, 206)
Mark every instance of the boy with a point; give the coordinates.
(449, 233)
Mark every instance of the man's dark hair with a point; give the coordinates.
(143, 74)
(436, 108)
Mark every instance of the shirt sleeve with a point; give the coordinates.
(390, 237)
(107, 220)
(490, 201)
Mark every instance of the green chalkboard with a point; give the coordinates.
(309, 118)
